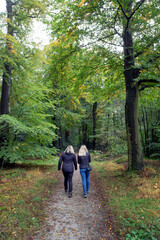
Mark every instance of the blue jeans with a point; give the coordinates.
(85, 179)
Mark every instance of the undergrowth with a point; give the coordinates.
(24, 192)
(133, 197)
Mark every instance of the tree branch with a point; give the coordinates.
(144, 83)
(135, 10)
(99, 39)
(120, 5)
(115, 24)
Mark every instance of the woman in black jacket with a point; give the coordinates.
(69, 163)
(84, 159)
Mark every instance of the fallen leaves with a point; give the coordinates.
(22, 196)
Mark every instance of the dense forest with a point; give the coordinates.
(95, 83)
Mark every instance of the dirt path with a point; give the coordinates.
(76, 218)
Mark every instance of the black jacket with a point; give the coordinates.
(69, 162)
(84, 160)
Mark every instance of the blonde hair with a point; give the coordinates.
(69, 149)
(83, 150)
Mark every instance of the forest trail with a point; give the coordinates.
(76, 218)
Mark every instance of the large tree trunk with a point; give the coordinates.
(6, 84)
(94, 124)
(135, 157)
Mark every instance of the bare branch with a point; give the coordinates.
(115, 24)
(120, 5)
(99, 39)
(116, 45)
(144, 83)
(135, 10)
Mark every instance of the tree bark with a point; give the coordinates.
(60, 138)
(67, 134)
(84, 133)
(6, 80)
(141, 134)
(94, 124)
(6, 83)
(135, 156)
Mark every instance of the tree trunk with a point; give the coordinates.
(135, 156)
(94, 124)
(146, 131)
(6, 83)
(84, 133)
(141, 134)
(67, 134)
(60, 138)
(6, 80)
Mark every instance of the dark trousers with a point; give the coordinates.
(68, 179)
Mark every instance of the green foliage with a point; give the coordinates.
(53, 90)
(100, 66)
(26, 141)
(149, 122)
(111, 133)
(133, 198)
(142, 233)
(30, 126)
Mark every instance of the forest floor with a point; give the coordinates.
(77, 218)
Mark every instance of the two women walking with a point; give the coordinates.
(68, 159)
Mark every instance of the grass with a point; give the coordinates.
(134, 198)
(24, 192)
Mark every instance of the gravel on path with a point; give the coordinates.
(76, 218)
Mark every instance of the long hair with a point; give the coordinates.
(69, 149)
(83, 150)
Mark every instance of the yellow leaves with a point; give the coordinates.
(82, 87)
(8, 20)
(74, 104)
(55, 43)
(155, 186)
(65, 116)
(82, 2)
(146, 17)
(143, 71)
(19, 190)
(148, 190)
(112, 166)
(13, 51)
(67, 45)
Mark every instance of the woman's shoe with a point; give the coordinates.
(70, 194)
(85, 195)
